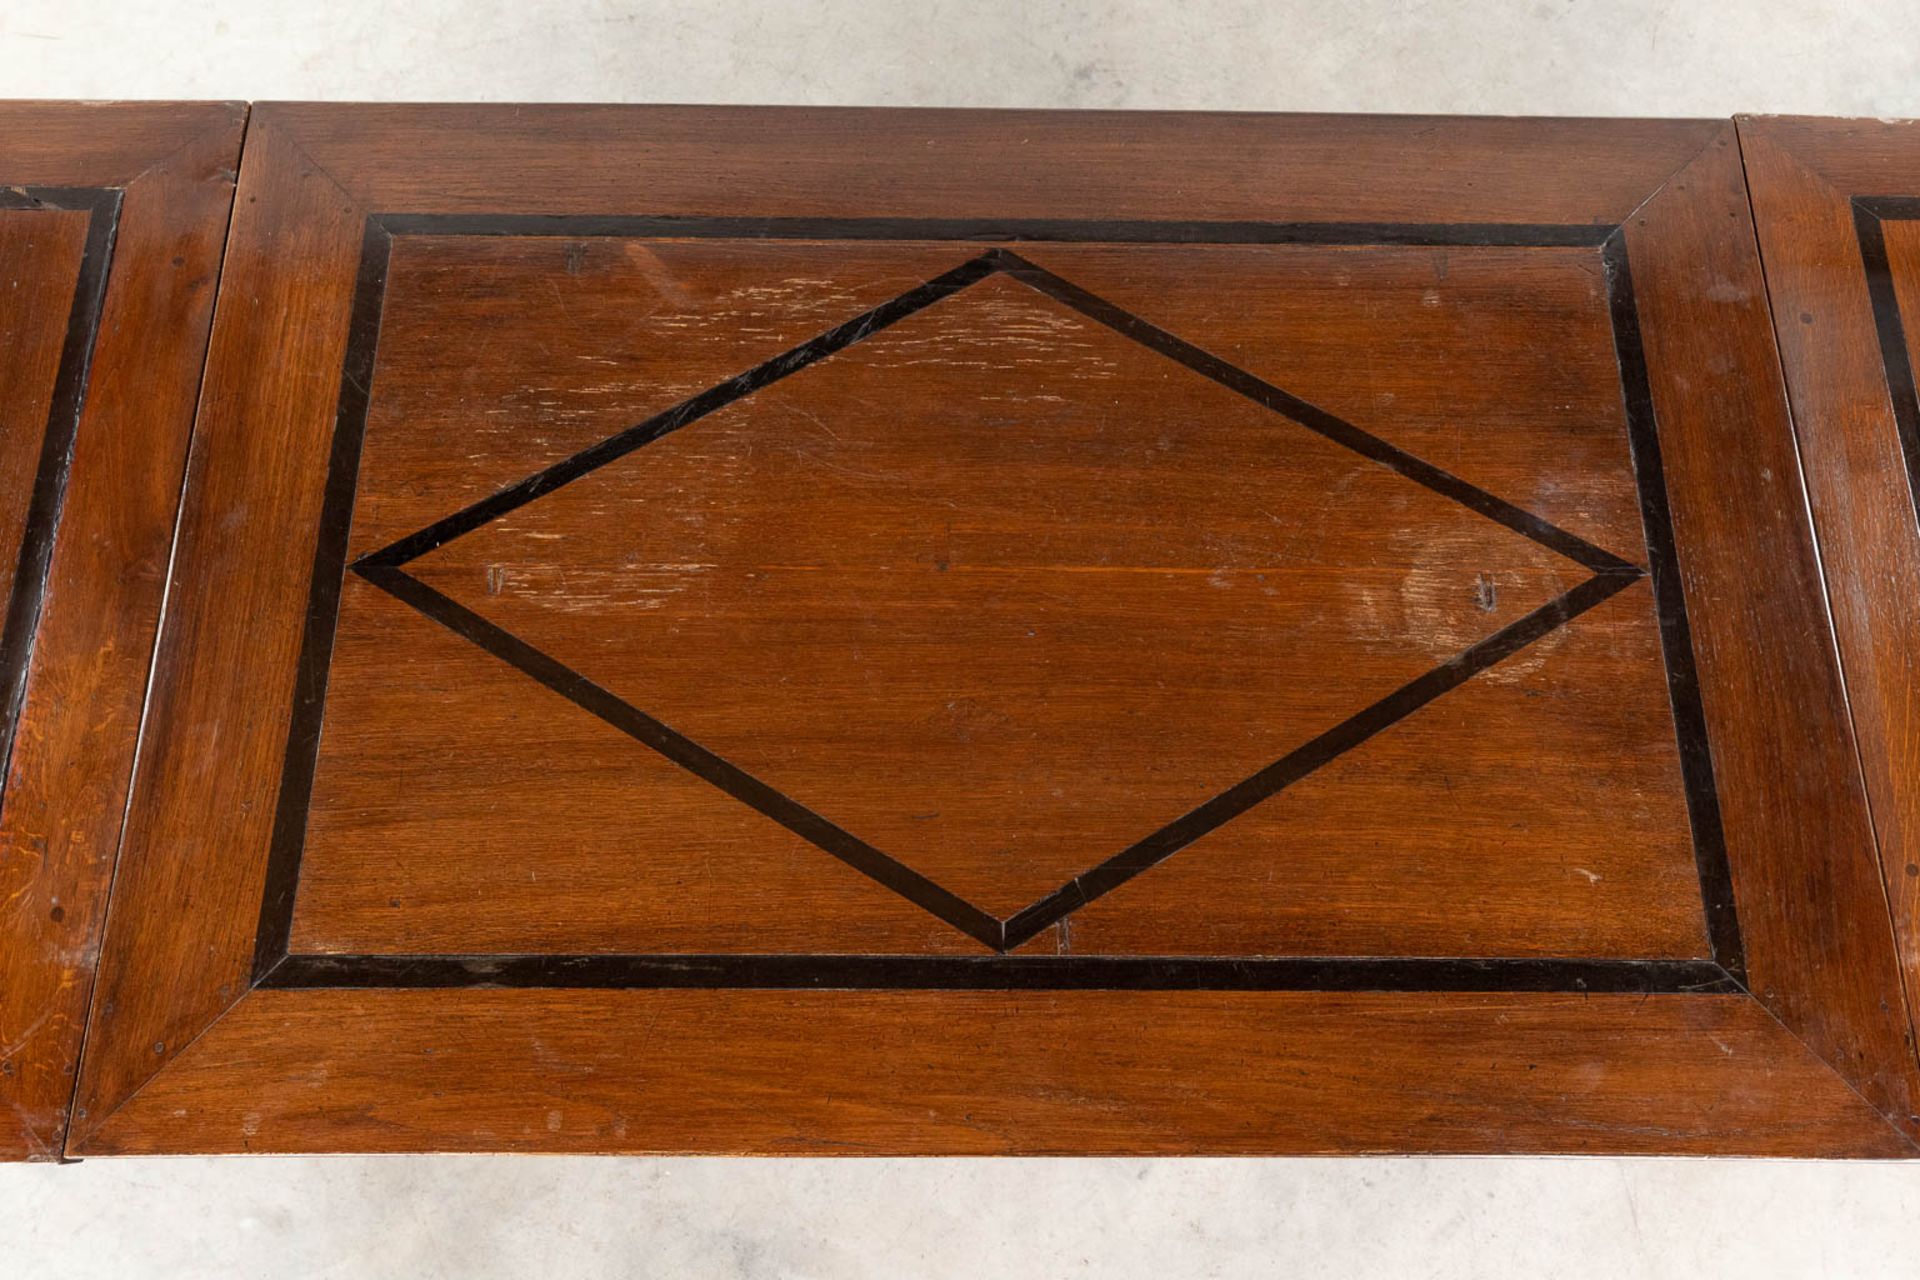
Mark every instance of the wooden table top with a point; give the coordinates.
(807, 631)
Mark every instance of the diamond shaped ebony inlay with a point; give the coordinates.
(940, 679)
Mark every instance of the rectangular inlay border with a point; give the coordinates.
(275, 967)
(22, 619)
(1869, 213)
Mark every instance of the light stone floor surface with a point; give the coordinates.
(478, 1217)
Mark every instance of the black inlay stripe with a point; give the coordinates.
(1890, 327)
(1304, 759)
(1003, 973)
(689, 410)
(323, 604)
(1524, 235)
(1670, 608)
(48, 495)
(686, 753)
(1311, 416)
(1890, 208)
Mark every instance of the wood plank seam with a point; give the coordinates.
(254, 123)
(153, 652)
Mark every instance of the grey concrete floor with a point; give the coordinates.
(475, 1217)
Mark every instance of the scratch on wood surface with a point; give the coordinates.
(30, 1126)
(19, 1041)
(593, 588)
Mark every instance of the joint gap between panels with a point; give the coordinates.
(132, 776)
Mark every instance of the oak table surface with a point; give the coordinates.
(112, 219)
(804, 631)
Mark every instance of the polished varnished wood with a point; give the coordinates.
(915, 631)
(111, 225)
(41, 250)
(990, 1073)
(1838, 208)
(972, 637)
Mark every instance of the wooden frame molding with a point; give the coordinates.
(155, 183)
(1829, 196)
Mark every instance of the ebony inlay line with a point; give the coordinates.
(1311, 416)
(1670, 608)
(1003, 973)
(1868, 214)
(323, 604)
(1519, 235)
(48, 495)
(1313, 754)
(1891, 208)
(688, 754)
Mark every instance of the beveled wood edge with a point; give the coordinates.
(1842, 411)
(149, 924)
(1431, 168)
(88, 673)
(289, 124)
(629, 1072)
(1845, 152)
(1825, 963)
(59, 142)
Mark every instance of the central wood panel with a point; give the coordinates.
(887, 594)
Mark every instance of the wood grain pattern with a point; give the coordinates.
(72, 758)
(40, 253)
(584, 335)
(930, 163)
(1797, 821)
(1443, 848)
(676, 547)
(156, 992)
(977, 1073)
(1806, 178)
(955, 627)
(407, 854)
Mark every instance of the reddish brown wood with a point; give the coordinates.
(981, 1073)
(1556, 860)
(999, 588)
(72, 756)
(40, 253)
(1806, 176)
(1073, 622)
(1818, 950)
